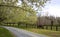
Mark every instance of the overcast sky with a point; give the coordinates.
(53, 8)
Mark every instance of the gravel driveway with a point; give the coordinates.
(23, 33)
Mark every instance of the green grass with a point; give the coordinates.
(50, 33)
(45, 32)
(5, 33)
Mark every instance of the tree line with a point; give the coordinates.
(48, 20)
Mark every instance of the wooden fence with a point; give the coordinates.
(48, 27)
(52, 27)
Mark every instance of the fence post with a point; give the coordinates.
(51, 27)
(56, 28)
(19, 23)
(26, 25)
(46, 27)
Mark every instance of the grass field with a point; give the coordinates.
(50, 33)
(45, 32)
(5, 33)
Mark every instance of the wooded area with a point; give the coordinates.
(11, 12)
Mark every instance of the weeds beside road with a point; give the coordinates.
(5, 33)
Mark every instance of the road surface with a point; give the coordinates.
(23, 33)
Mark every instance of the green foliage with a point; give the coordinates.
(12, 13)
(8, 2)
(37, 2)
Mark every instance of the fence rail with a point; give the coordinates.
(52, 27)
(48, 27)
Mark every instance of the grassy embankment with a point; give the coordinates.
(5, 33)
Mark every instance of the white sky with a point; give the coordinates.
(53, 8)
